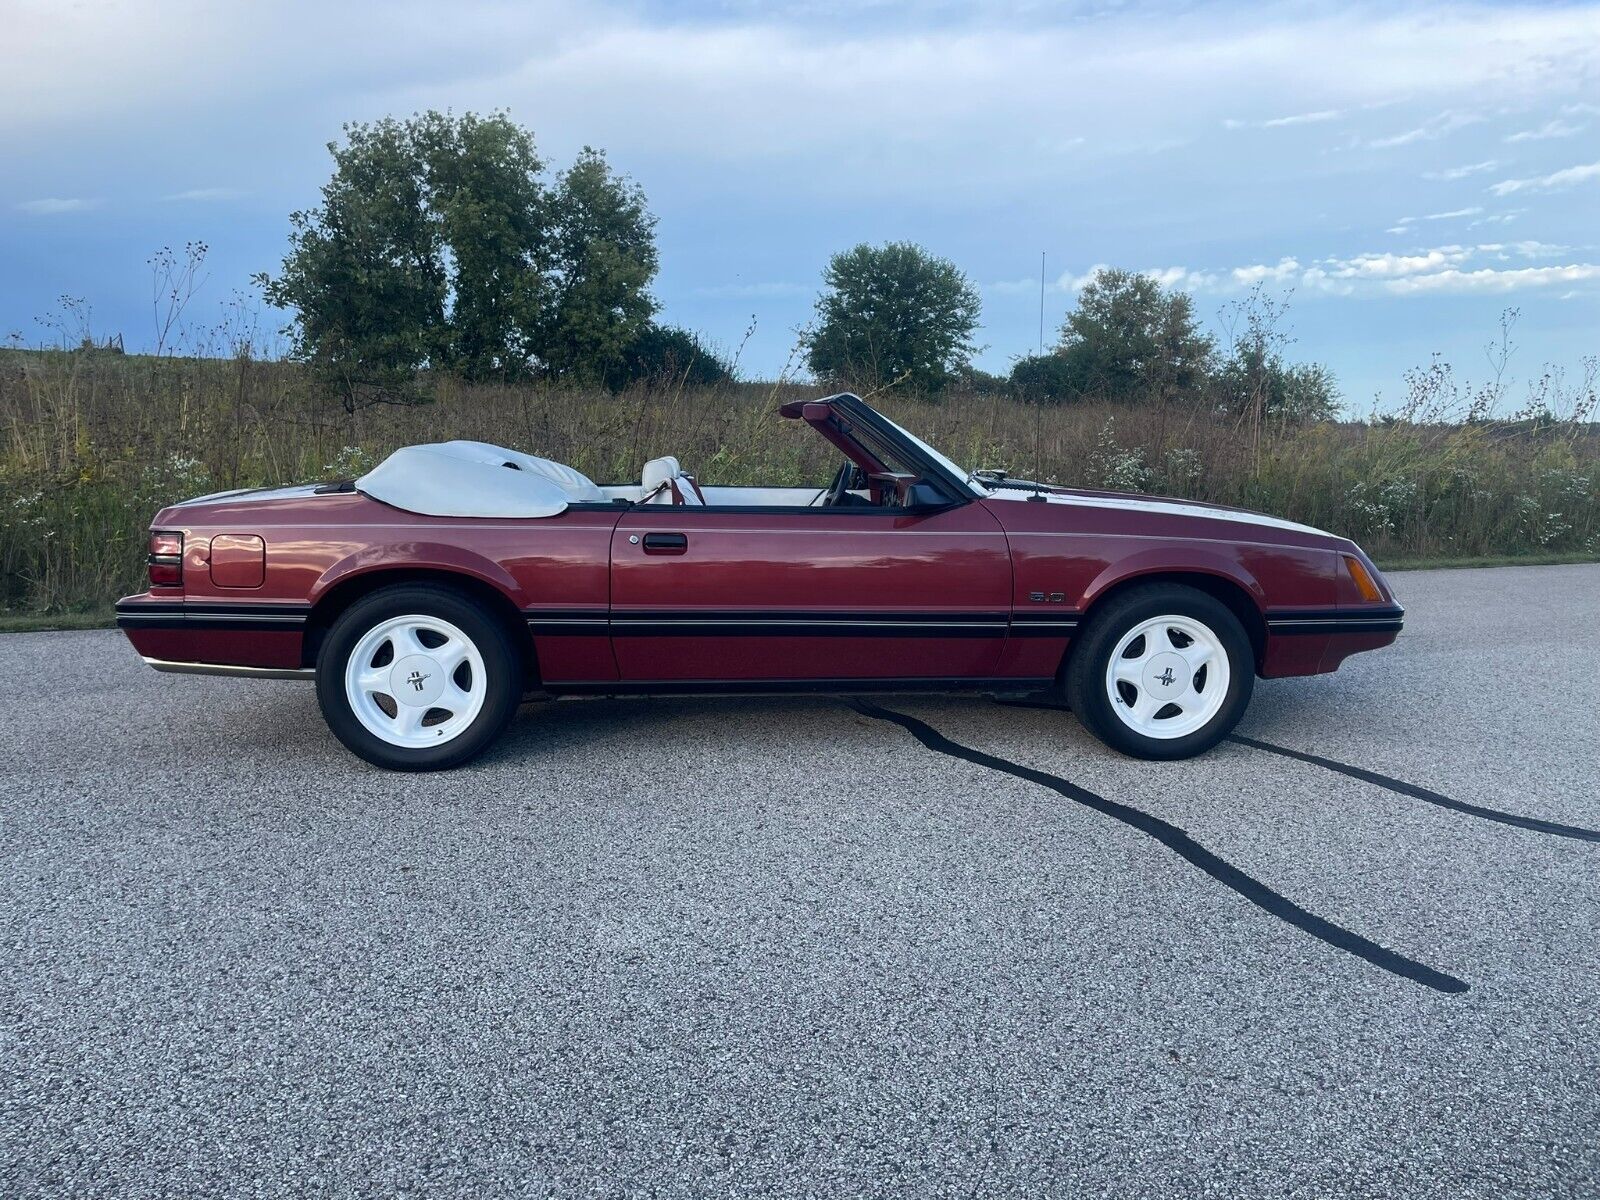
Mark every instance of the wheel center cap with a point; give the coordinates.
(416, 680)
(1166, 676)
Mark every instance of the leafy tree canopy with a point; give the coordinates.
(667, 355)
(893, 314)
(440, 244)
(1130, 337)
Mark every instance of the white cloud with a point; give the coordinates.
(1567, 177)
(1487, 279)
(735, 85)
(206, 193)
(1453, 214)
(1182, 278)
(1439, 269)
(1550, 129)
(1527, 248)
(1385, 265)
(1462, 172)
(51, 205)
(1309, 118)
(1431, 129)
(1067, 281)
(1285, 271)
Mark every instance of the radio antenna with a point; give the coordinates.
(1041, 304)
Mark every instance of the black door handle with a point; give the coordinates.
(666, 543)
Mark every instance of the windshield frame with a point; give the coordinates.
(938, 469)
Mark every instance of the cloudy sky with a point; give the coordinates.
(1409, 170)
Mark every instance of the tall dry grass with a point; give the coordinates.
(95, 442)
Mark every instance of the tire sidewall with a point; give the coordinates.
(502, 671)
(1085, 677)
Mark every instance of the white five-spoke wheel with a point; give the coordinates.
(1163, 670)
(1168, 676)
(419, 676)
(415, 681)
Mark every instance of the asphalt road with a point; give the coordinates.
(719, 947)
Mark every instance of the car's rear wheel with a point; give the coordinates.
(417, 678)
(1163, 671)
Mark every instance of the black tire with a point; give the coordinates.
(503, 674)
(1091, 657)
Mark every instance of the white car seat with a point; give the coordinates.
(663, 482)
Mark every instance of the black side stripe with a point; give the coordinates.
(1191, 851)
(568, 622)
(790, 687)
(1385, 618)
(1400, 786)
(245, 617)
(1045, 623)
(744, 623)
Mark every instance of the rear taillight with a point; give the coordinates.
(166, 560)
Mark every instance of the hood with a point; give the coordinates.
(1165, 505)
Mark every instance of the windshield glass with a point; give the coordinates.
(959, 472)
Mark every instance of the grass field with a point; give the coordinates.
(95, 443)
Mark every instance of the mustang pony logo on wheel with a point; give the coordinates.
(903, 572)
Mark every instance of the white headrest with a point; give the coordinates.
(658, 471)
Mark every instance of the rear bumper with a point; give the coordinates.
(229, 669)
(218, 634)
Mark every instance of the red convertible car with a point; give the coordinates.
(430, 596)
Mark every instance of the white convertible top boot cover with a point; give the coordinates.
(475, 479)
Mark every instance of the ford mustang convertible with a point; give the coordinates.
(430, 596)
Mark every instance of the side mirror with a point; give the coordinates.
(922, 495)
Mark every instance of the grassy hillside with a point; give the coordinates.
(96, 442)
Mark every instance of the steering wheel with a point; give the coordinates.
(840, 488)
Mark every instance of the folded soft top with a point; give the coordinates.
(475, 479)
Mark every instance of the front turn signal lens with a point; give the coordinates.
(1365, 584)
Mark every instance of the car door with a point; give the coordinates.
(749, 594)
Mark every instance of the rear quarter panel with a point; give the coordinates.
(316, 543)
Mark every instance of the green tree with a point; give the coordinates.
(439, 245)
(364, 272)
(1129, 338)
(604, 256)
(893, 314)
(1255, 381)
(482, 180)
(668, 355)
(1042, 379)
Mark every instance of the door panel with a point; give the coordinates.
(808, 594)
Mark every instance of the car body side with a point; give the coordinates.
(1020, 570)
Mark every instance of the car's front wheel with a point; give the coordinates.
(417, 678)
(1163, 671)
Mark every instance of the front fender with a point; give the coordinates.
(1169, 559)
